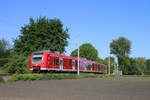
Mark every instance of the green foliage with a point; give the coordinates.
(42, 34)
(86, 51)
(3, 48)
(3, 61)
(24, 77)
(4, 52)
(148, 64)
(132, 67)
(17, 64)
(100, 60)
(1, 79)
(121, 48)
(112, 63)
(147, 72)
(141, 63)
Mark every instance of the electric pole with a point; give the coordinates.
(109, 65)
(78, 72)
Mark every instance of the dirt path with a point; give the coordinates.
(128, 88)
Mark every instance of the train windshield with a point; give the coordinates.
(37, 58)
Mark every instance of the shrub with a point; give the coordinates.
(17, 64)
(1, 79)
(147, 72)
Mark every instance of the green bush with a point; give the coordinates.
(17, 64)
(3, 61)
(25, 77)
(147, 72)
(1, 79)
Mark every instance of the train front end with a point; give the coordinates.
(37, 62)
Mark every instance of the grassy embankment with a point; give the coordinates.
(60, 76)
(24, 77)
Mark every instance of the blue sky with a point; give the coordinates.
(97, 21)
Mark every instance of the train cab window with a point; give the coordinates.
(70, 62)
(53, 61)
(57, 62)
(64, 63)
(48, 57)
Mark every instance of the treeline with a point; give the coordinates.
(120, 48)
(49, 34)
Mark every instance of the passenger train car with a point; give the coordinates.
(50, 61)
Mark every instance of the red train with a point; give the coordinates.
(49, 61)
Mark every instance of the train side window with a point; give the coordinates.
(57, 62)
(60, 62)
(64, 63)
(83, 65)
(99, 67)
(93, 66)
(73, 63)
(76, 64)
(70, 62)
(53, 61)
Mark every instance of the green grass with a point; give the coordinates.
(24, 77)
(1, 79)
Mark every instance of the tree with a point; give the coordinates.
(112, 63)
(121, 48)
(86, 51)
(132, 67)
(141, 63)
(148, 64)
(100, 60)
(147, 67)
(4, 52)
(42, 34)
(4, 48)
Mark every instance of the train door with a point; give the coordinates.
(48, 61)
(73, 65)
(76, 64)
(101, 68)
(64, 63)
(53, 62)
(98, 67)
(61, 64)
(57, 63)
(91, 67)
